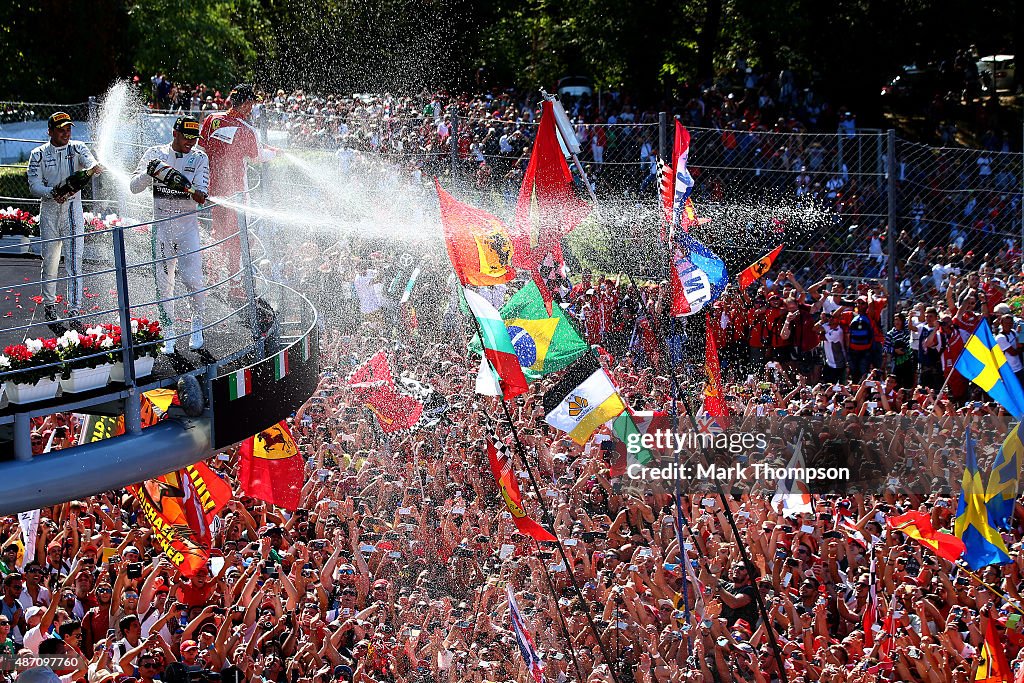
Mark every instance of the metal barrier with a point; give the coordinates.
(126, 266)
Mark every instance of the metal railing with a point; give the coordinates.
(120, 269)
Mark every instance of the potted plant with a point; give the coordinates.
(87, 359)
(97, 236)
(17, 228)
(146, 347)
(31, 370)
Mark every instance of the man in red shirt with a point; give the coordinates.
(229, 140)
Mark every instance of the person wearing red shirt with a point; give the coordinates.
(229, 140)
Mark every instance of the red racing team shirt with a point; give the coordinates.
(228, 141)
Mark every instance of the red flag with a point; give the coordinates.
(677, 183)
(478, 243)
(501, 468)
(374, 387)
(714, 396)
(205, 494)
(163, 504)
(758, 268)
(992, 664)
(271, 467)
(918, 526)
(548, 208)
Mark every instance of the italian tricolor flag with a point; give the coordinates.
(240, 383)
(499, 353)
(281, 364)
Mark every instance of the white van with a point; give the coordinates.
(1002, 65)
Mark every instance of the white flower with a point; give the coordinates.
(34, 345)
(69, 338)
(106, 342)
(94, 331)
(135, 326)
(5, 362)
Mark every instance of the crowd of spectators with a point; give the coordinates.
(395, 566)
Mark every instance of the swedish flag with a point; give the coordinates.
(984, 545)
(1001, 492)
(983, 362)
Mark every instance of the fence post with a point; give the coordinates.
(890, 162)
(453, 141)
(132, 406)
(93, 129)
(663, 136)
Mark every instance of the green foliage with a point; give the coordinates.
(196, 40)
(65, 51)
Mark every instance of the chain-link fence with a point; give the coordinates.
(827, 197)
(958, 212)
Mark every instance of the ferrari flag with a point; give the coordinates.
(271, 467)
(501, 468)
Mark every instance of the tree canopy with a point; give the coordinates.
(651, 48)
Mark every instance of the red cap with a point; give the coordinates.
(380, 582)
(189, 645)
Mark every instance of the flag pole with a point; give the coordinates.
(561, 617)
(701, 450)
(547, 517)
(554, 532)
(995, 590)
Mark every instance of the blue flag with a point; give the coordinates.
(984, 363)
(1001, 492)
(698, 276)
(984, 545)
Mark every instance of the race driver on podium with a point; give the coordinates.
(230, 140)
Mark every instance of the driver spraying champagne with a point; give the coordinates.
(180, 176)
(230, 140)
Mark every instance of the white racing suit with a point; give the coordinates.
(176, 240)
(48, 166)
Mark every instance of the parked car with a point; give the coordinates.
(1002, 65)
(913, 82)
(574, 86)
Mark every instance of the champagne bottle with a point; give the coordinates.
(168, 175)
(73, 183)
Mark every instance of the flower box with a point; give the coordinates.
(143, 368)
(86, 379)
(16, 244)
(42, 390)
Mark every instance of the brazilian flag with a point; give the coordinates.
(542, 343)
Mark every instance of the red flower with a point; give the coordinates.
(49, 343)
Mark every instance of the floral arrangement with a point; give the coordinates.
(18, 223)
(146, 335)
(94, 222)
(29, 359)
(73, 349)
(79, 350)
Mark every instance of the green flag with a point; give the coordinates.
(543, 343)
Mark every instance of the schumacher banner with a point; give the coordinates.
(179, 507)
